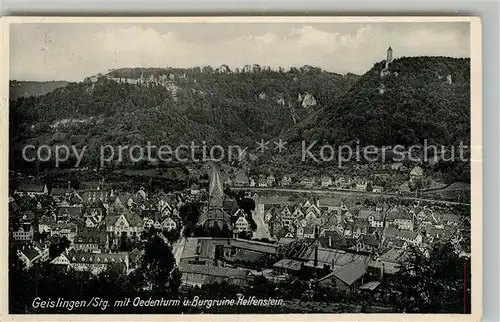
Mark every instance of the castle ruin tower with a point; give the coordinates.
(389, 58)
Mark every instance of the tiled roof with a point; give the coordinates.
(327, 256)
(406, 234)
(215, 215)
(46, 220)
(198, 247)
(248, 256)
(133, 219)
(369, 240)
(399, 214)
(91, 196)
(417, 171)
(349, 273)
(31, 187)
(97, 258)
(72, 212)
(214, 271)
(91, 236)
(59, 191)
(135, 255)
(289, 264)
(59, 226)
(450, 217)
(254, 245)
(30, 252)
(364, 214)
(90, 185)
(392, 255)
(241, 177)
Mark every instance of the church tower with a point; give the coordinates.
(215, 191)
(389, 57)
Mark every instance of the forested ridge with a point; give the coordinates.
(416, 99)
(25, 89)
(175, 106)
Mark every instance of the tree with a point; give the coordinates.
(189, 213)
(56, 249)
(157, 271)
(433, 284)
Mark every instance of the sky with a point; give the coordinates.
(73, 51)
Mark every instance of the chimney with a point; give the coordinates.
(316, 255)
(329, 240)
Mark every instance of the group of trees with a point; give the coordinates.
(156, 276)
(417, 103)
(439, 283)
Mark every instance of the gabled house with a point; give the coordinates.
(24, 233)
(413, 238)
(326, 181)
(165, 207)
(169, 224)
(94, 263)
(358, 228)
(89, 197)
(33, 253)
(308, 182)
(262, 182)
(68, 213)
(242, 225)
(286, 181)
(361, 185)
(309, 231)
(271, 180)
(67, 230)
(374, 218)
(346, 279)
(450, 219)
(45, 224)
(298, 230)
(240, 179)
(129, 224)
(90, 240)
(151, 219)
(367, 243)
(401, 219)
(31, 190)
(60, 194)
(416, 174)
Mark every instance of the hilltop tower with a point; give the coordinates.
(389, 57)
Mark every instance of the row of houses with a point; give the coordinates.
(240, 179)
(312, 219)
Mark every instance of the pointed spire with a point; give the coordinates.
(215, 192)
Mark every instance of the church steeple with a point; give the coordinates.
(215, 191)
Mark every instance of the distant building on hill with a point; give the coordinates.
(389, 58)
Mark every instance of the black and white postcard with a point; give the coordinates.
(265, 167)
